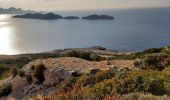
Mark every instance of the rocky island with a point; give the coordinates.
(71, 17)
(97, 17)
(48, 16)
(52, 16)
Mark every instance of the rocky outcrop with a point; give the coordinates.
(96, 17)
(54, 76)
(41, 76)
(26, 86)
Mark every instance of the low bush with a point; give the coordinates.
(3, 69)
(38, 73)
(84, 55)
(13, 72)
(139, 96)
(29, 78)
(105, 74)
(21, 73)
(153, 50)
(109, 84)
(157, 87)
(154, 61)
(5, 89)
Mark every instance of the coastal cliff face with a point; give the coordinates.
(91, 74)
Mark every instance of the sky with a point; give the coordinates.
(83, 4)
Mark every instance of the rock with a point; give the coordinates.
(54, 76)
(96, 17)
(48, 16)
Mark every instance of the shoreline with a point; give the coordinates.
(88, 49)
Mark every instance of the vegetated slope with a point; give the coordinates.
(78, 74)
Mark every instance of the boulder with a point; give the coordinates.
(54, 76)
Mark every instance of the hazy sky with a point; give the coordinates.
(82, 4)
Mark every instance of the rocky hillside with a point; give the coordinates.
(89, 73)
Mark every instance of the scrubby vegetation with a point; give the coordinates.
(84, 55)
(21, 73)
(133, 56)
(111, 84)
(140, 96)
(5, 90)
(38, 73)
(13, 72)
(157, 61)
(4, 71)
(150, 80)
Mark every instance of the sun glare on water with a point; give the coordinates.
(5, 36)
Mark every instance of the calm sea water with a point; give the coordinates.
(132, 30)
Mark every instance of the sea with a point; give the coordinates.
(131, 30)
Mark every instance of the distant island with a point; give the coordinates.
(95, 17)
(71, 17)
(52, 16)
(48, 16)
(13, 10)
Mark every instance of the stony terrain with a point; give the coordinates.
(72, 63)
(94, 73)
(57, 69)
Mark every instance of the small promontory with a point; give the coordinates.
(96, 17)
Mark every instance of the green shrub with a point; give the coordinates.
(154, 61)
(67, 85)
(139, 96)
(152, 50)
(157, 87)
(3, 69)
(84, 55)
(79, 54)
(130, 86)
(105, 74)
(143, 81)
(109, 83)
(21, 73)
(13, 72)
(94, 71)
(95, 57)
(29, 78)
(104, 88)
(39, 73)
(86, 80)
(5, 90)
